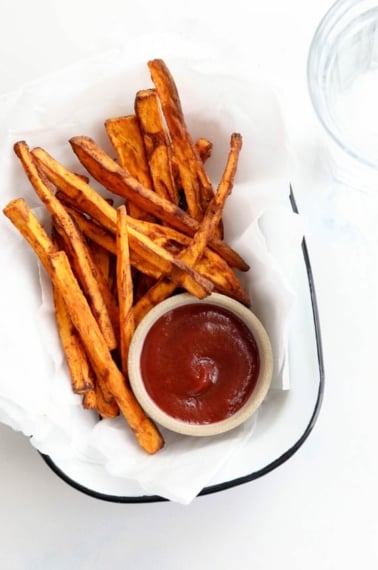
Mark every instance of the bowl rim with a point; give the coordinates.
(258, 394)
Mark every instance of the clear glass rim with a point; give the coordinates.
(330, 18)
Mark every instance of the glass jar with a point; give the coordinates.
(343, 78)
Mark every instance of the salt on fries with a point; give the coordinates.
(109, 265)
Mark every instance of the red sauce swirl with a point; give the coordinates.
(199, 363)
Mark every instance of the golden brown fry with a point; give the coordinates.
(135, 261)
(156, 143)
(106, 240)
(82, 194)
(126, 138)
(210, 265)
(89, 226)
(103, 364)
(62, 218)
(75, 247)
(191, 255)
(102, 258)
(166, 263)
(194, 179)
(204, 148)
(106, 409)
(95, 400)
(91, 202)
(124, 288)
(114, 178)
(125, 135)
(89, 400)
(213, 214)
(31, 229)
(76, 358)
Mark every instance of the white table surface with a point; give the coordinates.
(318, 510)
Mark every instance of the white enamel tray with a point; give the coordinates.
(284, 424)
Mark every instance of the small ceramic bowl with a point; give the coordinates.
(250, 405)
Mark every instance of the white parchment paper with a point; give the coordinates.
(218, 98)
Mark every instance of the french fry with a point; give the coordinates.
(105, 408)
(76, 358)
(31, 229)
(204, 148)
(114, 178)
(102, 258)
(93, 399)
(72, 185)
(124, 287)
(110, 264)
(213, 214)
(76, 246)
(89, 400)
(87, 279)
(194, 179)
(211, 265)
(106, 240)
(156, 143)
(103, 364)
(125, 135)
(89, 225)
(126, 138)
(176, 270)
(98, 383)
(163, 288)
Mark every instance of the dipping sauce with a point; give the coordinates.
(199, 363)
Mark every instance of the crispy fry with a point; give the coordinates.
(210, 265)
(110, 264)
(93, 399)
(89, 225)
(75, 247)
(114, 178)
(194, 179)
(163, 288)
(89, 400)
(124, 287)
(177, 270)
(59, 239)
(31, 229)
(144, 429)
(76, 358)
(213, 214)
(102, 258)
(106, 240)
(126, 138)
(204, 148)
(72, 185)
(96, 206)
(106, 409)
(156, 143)
(87, 279)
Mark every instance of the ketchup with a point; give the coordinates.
(199, 363)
